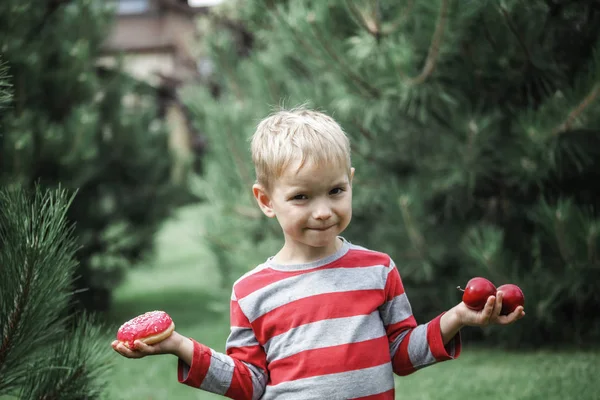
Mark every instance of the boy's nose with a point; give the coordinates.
(322, 212)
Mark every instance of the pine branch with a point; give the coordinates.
(51, 7)
(471, 135)
(240, 164)
(367, 157)
(279, 16)
(308, 48)
(251, 213)
(592, 237)
(318, 34)
(36, 255)
(14, 320)
(415, 236)
(515, 32)
(373, 25)
(5, 86)
(338, 62)
(237, 90)
(377, 18)
(212, 239)
(487, 34)
(434, 48)
(369, 25)
(561, 236)
(391, 28)
(63, 386)
(75, 367)
(581, 107)
(364, 131)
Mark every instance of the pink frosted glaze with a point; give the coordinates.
(148, 324)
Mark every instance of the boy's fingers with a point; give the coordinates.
(143, 347)
(139, 350)
(488, 309)
(498, 305)
(121, 348)
(125, 351)
(517, 314)
(117, 346)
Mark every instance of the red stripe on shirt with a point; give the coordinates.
(393, 330)
(316, 308)
(241, 382)
(267, 276)
(393, 285)
(330, 360)
(401, 363)
(251, 354)
(436, 343)
(198, 369)
(237, 316)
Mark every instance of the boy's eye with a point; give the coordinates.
(336, 191)
(300, 197)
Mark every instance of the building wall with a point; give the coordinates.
(145, 66)
(156, 46)
(159, 40)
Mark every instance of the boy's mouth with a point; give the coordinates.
(322, 228)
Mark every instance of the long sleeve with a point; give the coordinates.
(412, 346)
(238, 374)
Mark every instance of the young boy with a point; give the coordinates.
(322, 318)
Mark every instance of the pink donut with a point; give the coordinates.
(151, 327)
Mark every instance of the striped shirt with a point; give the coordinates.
(338, 328)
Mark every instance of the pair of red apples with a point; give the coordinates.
(479, 289)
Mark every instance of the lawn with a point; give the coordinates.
(183, 281)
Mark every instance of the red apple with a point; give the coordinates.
(513, 297)
(477, 292)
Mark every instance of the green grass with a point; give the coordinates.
(493, 374)
(183, 281)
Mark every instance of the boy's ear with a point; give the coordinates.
(351, 175)
(263, 199)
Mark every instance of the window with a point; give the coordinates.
(132, 6)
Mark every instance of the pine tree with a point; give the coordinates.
(475, 139)
(87, 128)
(4, 86)
(44, 353)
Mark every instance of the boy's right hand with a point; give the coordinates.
(171, 345)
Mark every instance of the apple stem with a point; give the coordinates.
(459, 288)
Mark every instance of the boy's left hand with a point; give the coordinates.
(170, 345)
(490, 313)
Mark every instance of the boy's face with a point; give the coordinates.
(312, 204)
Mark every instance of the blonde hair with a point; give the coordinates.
(299, 134)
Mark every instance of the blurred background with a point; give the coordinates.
(125, 175)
